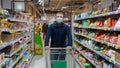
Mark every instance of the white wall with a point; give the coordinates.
(106, 3)
(7, 4)
(0, 3)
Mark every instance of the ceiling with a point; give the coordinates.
(53, 6)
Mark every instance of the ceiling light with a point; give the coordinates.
(100, 3)
(65, 7)
(73, 11)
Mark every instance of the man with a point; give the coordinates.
(44, 29)
(58, 32)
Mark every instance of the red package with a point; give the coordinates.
(102, 23)
(96, 35)
(114, 40)
(108, 38)
(101, 37)
(109, 22)
(114, 21)
(98, 23)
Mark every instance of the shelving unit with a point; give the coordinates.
(102, 42)
(76, 59)
(96, 66)
(100, 54)
(101, 28)
(17, 41)
(98, 16)
(86, 38)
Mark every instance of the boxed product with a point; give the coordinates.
(117, 57)
(2, 56)
(85, 23)
(6, 37)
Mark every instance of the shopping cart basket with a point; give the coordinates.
(69, 62)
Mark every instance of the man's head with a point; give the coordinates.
(59, 17)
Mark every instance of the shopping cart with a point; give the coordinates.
(69, 62)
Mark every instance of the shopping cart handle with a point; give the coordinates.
(57, 48)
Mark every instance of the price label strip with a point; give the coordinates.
(105, 28)
(110, 60)
(102, 42)
(117, 46)
(104, 14)
(108, 44)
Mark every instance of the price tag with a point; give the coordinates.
(110, 60)
(17, 50)
(98, 27)
(104, 14)
(12, 31)
(117, 46)
(105, 28)
(97, 40)
(102, 42)
(3, 13)
(108, 44)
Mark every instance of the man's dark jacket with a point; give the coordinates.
(58, 33)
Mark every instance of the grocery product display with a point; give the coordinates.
(38, 40)
(16, 40)
(96, 38)
(112, 9)
(93, 24)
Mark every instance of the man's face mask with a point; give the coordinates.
(59, 20)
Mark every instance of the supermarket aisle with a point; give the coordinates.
(38, 62)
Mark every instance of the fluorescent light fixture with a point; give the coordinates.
(41, 2)
(100, 3)
(65, 7)
(19, 6)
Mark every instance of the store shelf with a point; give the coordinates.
(101, 28)
(11, 42)
(19, 57)
(16, 60)
(3, 62)
(23, 60)
(103, 42)
(102, 15)
(100, 54)
(17, 50)
(4, 45)
(31, 57)
(91, 61)
(13, 30)
(1, 16)
(76, 59)
(17, 20)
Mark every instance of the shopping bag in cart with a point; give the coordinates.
(59, 64)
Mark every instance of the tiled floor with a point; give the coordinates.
(38, 62)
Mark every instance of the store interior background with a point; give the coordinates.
(40, 11)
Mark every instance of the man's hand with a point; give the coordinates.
(68, 48)
(47, 48)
